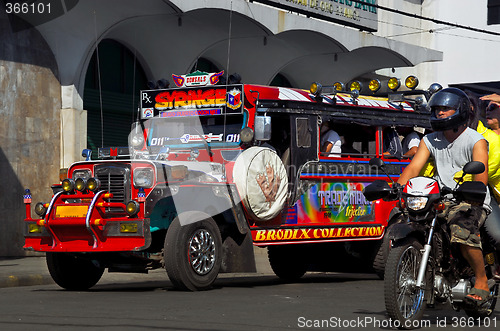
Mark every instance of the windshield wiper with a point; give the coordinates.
(207, 146)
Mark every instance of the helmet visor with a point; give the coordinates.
(445, 99)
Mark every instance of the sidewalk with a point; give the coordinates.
(29, 271)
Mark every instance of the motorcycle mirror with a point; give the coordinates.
(377, 190)
(377, 162)
(380, 165)
(474, 168)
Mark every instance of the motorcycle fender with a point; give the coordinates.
(400, 231)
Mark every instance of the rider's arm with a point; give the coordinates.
(480, 153)
(416, 164)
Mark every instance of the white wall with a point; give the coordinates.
(469, 57)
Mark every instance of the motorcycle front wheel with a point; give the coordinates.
(404, 302)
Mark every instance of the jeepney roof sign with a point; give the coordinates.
(194, 101)
(197, 78)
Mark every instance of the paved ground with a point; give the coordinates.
(29, 271)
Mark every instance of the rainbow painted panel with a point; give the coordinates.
(327, 203)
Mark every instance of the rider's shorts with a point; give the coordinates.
(465, 220)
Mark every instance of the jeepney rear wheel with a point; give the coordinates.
(287, 261)
(193, 251)
(73, 272)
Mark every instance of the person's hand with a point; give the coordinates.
(396, 192)
(491, 97)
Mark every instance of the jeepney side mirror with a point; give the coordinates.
(262, 128)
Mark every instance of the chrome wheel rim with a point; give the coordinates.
(202, 252)
(409, 298)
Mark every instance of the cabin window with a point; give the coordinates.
(303, 132)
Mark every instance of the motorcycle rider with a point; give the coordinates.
(452, 145)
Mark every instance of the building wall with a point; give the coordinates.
(30, 104)
(469, 57)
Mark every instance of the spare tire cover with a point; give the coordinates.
(262, 182)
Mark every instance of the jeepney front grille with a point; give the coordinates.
(116, 180)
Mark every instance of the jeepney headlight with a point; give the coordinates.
(80, 184)
(93, 184)
(136, 139)
(416, 203)
(246, 135)
(68, 185)
(40, 209)
(81, 173)
(143, 177)
(132, 207)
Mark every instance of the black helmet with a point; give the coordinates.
(450, 98)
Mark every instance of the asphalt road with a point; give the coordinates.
(237, 302)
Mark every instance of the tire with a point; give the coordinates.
(73, 272)
(287, 262)
(403, 301)
(489, 307)
(380, 259)
(193, 252)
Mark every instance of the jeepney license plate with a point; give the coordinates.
(71, 211)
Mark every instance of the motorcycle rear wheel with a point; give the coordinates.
(404, 302)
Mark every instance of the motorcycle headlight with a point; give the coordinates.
(416, 203)
(143, 177)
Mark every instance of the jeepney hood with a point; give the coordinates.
(211, 171)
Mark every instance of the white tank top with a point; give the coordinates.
(450, 158)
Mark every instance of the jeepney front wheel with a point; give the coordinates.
(73, 272)
(193, 251)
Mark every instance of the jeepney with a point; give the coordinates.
(211, 169)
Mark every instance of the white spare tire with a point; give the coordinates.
(262, 182)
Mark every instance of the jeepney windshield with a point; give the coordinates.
(186, 132)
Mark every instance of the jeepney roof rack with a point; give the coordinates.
(394, 96)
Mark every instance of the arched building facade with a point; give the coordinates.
(69, 79)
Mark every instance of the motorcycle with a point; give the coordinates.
(423, 267)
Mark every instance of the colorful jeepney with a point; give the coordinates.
(211, 169)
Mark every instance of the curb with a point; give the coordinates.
(26, 280)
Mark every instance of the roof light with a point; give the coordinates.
(316, 89)
(434, 88)
(339, 86)
(355, 85)
(393, 83)
(374, 85)
(411, 82)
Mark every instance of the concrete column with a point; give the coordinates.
(73, 126)
(73, 135)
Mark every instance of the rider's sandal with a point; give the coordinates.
(483, 294)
